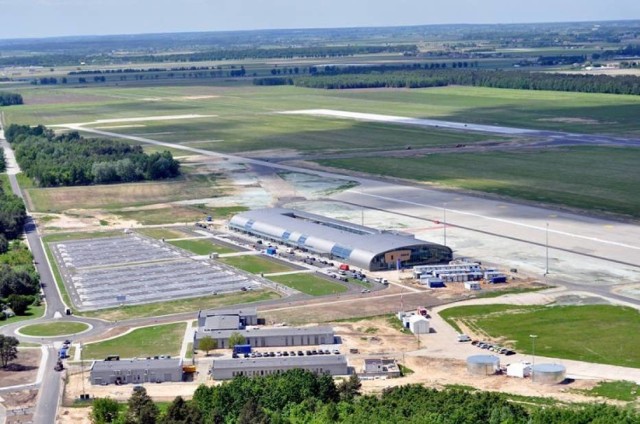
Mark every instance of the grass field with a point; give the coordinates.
(142, 342)
(54, 329)
(182, 305)
(593, 333)
(626, 391)
(161, 233)
(590, 178)
(310, 284)
(157, 216)
(201, 247)
(255, 264)
(33, 312)
(117, 196)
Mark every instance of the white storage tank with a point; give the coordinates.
(548, 373)
(483, 364)
(419, 324)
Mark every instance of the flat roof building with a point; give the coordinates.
(271, 336)
(225, 369)
(380, 367)
(245, 316)
(136, 371)
(356, 245)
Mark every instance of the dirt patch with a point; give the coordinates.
(562, 120)
(83, 220)
(23, 370)
(19, 405)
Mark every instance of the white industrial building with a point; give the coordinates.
(419, 324)
(225, 369)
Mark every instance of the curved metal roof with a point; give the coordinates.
(353, 243)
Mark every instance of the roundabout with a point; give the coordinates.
(54, 329)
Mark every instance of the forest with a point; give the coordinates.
(299, 396)
(9, 99)
(415, 77)
(70, 159)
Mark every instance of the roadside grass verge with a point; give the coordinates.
(255, 264)
(553, 176)
(201, 246)
(55, 271)
(626, 391)
(592, 333)
(33, 312)
(180, 306)
(141, 342)
(510, 290)
(310, 284)
(51, 329)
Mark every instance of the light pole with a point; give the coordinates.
(533, 352)
(546, 245)
(444, 227)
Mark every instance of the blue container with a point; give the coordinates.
(498, 280)
(240, 349)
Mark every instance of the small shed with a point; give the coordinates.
(472, 285)
(519, 369)
(432, 282)
(483, 364)
(419, 324)
(271, 251)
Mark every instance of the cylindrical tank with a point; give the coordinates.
(483, 364)
(548, 373)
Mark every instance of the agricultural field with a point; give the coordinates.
(142, 342)
(592, 333)
(310, 284)
(578, 177)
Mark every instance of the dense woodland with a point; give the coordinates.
(299, 396)
(19, 281)
(9, 99)
(69, 159)
(416, 76)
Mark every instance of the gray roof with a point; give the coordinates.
(224, 322)
(137, 364)
(240, 312)
(267, 332)
(244, 363)
(322, 234)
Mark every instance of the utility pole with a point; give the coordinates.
(444, 227)
(533, 353)
(546, 245)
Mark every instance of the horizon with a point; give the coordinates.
(40, 19)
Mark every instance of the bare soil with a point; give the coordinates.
(19, 406)
(23, 370)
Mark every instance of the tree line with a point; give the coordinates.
(70, 159)
(10, 99)
(361, 77)
(19, 281)
(299, 396)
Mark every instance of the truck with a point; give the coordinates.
(241, 349)
(63, 353)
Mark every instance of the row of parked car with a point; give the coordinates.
(493, 348)
(285, 353)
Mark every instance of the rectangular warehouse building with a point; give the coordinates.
(136, 371)
(356, 245)
(271, 336)
(244, 316)
(225, 369)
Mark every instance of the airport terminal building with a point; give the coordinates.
(353, 244)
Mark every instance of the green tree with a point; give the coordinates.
(181, 412)
(236, 339)
(104, 410)
(142, 410)
(349, 389)
(208, 343)
(4, 244)
(8, 349)
(19, 303)
(252, 413)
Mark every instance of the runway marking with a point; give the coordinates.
(506, 221)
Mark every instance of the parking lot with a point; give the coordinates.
(108, 272)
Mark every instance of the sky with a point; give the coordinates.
(47, 18)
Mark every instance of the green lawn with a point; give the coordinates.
(182, 305)
(142, 342)
(33, 312)
(161, 233)
(626, 391)
(167, 215)
(593, 333)
(201, 247)
(54, 329)
(591, 178)
(310, 284)
(255, 264)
